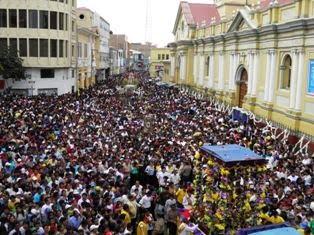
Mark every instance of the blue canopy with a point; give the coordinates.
(274, 229)
(232, 154)
(278, 231)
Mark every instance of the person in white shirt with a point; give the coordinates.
(161, 176)
(185, 229)
(83, 199)
(293, 177)
(45, 209)
(146, 201)
(138, 187)
(188, 200)
(175, 178)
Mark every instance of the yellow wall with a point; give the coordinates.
(219, 39)
(156, 59)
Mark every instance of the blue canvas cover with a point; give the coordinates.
(278, 231)
(232, 154)
(275, 229)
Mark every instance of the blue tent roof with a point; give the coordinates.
(278, 231)
(232, 153)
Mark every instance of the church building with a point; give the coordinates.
(258, 55)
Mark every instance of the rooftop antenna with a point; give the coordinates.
(148, 21)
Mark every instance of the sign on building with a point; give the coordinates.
(310, 85)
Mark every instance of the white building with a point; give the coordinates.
(44, 33)
(104, 35)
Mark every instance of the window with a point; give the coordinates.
(79, 50)
(13, 43)
(47, 73)
(73, 26)
(163, 56)
(53, 48)
(3, 18)
(61, 21)
(159, 57)
(66, 49)
(207, 66)
(66, 22)
(43, 15)
(85, 50)
(12, 18)
(61, 48)
(53, 20)
(73, 73)
(23, 47)
(22, 18)
(33, 19)
(286, 72)
(33, 47)
(43, 47)
(82, 16)
(73, 50)
(3, 43)
(167, 57)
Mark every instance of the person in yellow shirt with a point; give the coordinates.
(181, 192)
(275, 218)
(125, 212)
(142, 227)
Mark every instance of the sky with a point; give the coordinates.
(129, 17)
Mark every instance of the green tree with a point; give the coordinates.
(11, 65)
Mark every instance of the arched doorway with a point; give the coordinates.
(242, 85)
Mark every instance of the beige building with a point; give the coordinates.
(258, 56)
(160, 63)
(87, 52)
(44, 33)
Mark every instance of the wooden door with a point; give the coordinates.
(243, 87)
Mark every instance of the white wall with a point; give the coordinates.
(62, 81)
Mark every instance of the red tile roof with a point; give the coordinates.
(197, 13)
(265, 3)
(203, 13)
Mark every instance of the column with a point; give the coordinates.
(221, 72)
(255, 75)
(250, 75)
(231, 71)
(294, 74)
(195, 68)
(234, 66)
(208, 71)
(212, 70)
(267, 77)
(172, 65)
(183, 65)
(201, 70)
(273, 68)
(298, 101)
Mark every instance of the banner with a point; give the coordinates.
(310, 85)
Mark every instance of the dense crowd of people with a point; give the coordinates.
(107, 162)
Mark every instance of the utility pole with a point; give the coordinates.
(148, 22)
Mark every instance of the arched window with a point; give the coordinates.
(285, 69)
(182, 26)
(207, 66)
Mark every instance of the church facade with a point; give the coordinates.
(255, 55)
